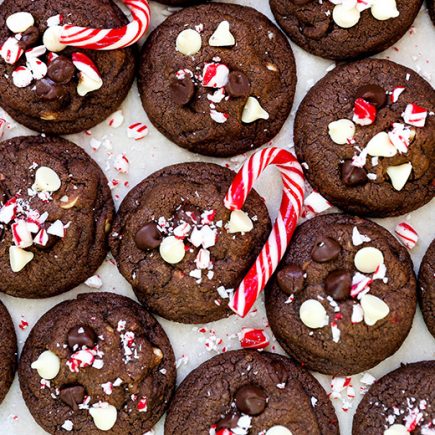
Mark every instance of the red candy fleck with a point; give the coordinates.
(23, 325)
(142, 405)
(415, 115)
(251, 338)
(364, 113)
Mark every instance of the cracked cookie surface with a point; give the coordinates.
(427, 287)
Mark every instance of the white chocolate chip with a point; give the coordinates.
(19, 258)
(396, 429)
(104, 415)
(46, 180)
(345, 17)
(188, 42)
(368, 259)
(69, 203)
(384, 9)
(399, 175)
(278, 430)
(380, 145)
(19, 22)
(172, 250)
(374, 309)
(341, 131)
(253, 111)
(47, 365)
(313, 314)
(87, 84)
(239, 222)
(51, 39)
(222, 37)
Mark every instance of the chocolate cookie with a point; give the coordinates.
(179, 247)
(179, 2)
(427, 287)
(336, 31)
(401, 402)
(49, 88)
(431, 9)
(217, 79)
(8, 351)
(365, 134)
(55, 212)
(344, 297)
(97, 363)
(257, 393)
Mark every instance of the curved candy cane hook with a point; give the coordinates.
(110, 39)
(283, 228)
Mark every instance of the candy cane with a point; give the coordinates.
(284, 226)
(110, 39)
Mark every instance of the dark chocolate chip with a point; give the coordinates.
(187, 213)
(182, 90)
(61, 70)
(46, 89)
(229, 421)
(374, 94)
(251, 400)
(148, 237)
(290, 278)
(238, 85)
(338, 284)
(317, 30)
(72, 395)
(29, 38)
(325, 249)
(80, 336)
(352, 175)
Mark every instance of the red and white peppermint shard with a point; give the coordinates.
(137, 131)
(364, 113)
(86, 66)
(401, 136)
(110, 39)
(407, 234)
(415, 115)
(283, 228)
(215, 75)
(394, 97)
(10, 51)
(22, 77)
(315, 203)
(251, 338)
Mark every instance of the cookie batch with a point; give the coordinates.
(195, 241)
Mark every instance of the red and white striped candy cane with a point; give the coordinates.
(110, 39)
(283, 228)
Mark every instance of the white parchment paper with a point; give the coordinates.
(415, 50)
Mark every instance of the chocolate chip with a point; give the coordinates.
(352, 175)
(82, 336)
(46, 89)
(325, 249)
(61, 70)
(72, 395)
(338, 284)
(251, 400)
(238, 85)
(187, 213)
(290, 278)
(29, 37)
(229, 421)
(374, 94)
(52, 240)
(317, 30)
(182, 90)
(148, 237)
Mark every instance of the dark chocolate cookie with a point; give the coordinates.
(401, 402)
(431, 9)
(344, 297)
(97, 364)
(180, 2)
(217, 79)
(180, 248)
(257, 393)
(48, 93)
(426, 283)
(8, 351)
(336, 31)
(55, 212)
(365, 134)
